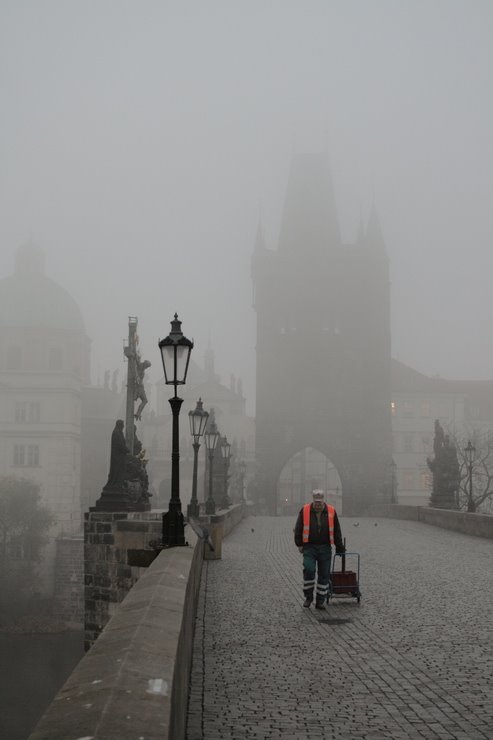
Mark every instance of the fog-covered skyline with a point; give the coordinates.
(142, 142)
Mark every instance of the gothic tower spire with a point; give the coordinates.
(309, 221)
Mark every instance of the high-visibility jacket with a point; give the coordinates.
(306, 522)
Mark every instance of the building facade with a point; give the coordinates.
(464, 409)
(44, 364)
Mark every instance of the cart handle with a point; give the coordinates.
(342, 554)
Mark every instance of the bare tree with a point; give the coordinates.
(479, 496)
(24, 523)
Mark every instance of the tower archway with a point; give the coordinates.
(306, 471)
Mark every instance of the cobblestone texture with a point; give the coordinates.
(413, 660)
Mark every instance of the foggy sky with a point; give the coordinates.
(140, 141)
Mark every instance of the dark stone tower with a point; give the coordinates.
(323, 343)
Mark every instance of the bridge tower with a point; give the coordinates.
(323, 343)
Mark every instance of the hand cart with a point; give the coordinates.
(345, 582)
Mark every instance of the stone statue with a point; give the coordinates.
(439, 438)
(140, 394)
(119, 451)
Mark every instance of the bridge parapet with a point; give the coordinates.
(134, 680)
(477, 525)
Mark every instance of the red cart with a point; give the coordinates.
(345, 582)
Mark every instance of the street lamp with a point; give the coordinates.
(242, 471)
(393, 482)
(198, 420)
(175, 353)
(211, 438)
(226, 456)
(469, 452)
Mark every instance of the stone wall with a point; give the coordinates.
(109, 537)
(68, 597)
(134, 680)
(477, 525)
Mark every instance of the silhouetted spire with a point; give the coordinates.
(259, 239)
(209, 363)
(374, 234)
(310, 222)
(29, 258)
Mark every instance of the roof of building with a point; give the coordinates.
(30, 299)
(478, 393)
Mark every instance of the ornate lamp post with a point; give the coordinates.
(470, 452)
(242, 471)
(211, 438)
(393, 482)
(226, 456)
(198, 420)
(175, 352)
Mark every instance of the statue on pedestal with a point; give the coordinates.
(118, 459)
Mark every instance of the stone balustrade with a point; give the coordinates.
(478, 525)
(134, 680)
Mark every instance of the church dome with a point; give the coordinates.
(30, 299)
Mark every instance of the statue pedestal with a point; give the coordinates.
(113, 499)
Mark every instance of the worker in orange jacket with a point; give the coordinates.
(317, 529)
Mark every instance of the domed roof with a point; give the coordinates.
(30, 299)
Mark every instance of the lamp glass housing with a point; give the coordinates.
(175, 354)
(198, 420)
(211, 438)
(225, 449)
(470, 451)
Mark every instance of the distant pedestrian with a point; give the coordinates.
(317, 529)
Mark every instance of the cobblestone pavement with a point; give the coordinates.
(413, 660)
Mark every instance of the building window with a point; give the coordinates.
(16, 548)
(425, 408)
(32, 456)
(408, 479)
(20, 412)
(35, 412)
(26, 456)
(19, 455)
(14, 358)
(424, 481)
(55, 358)
(407, 443)
(393, 408)
(407, 408)
(24, 412)
(426, 444)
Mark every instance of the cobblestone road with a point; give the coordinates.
(413, 660)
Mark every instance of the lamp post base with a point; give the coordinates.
(210, 506)
(173, 528)
(193, 509)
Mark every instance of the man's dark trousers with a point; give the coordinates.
(316, 556)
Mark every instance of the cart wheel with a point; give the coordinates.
(358, 598)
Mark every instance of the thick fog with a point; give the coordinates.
(142, 141)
